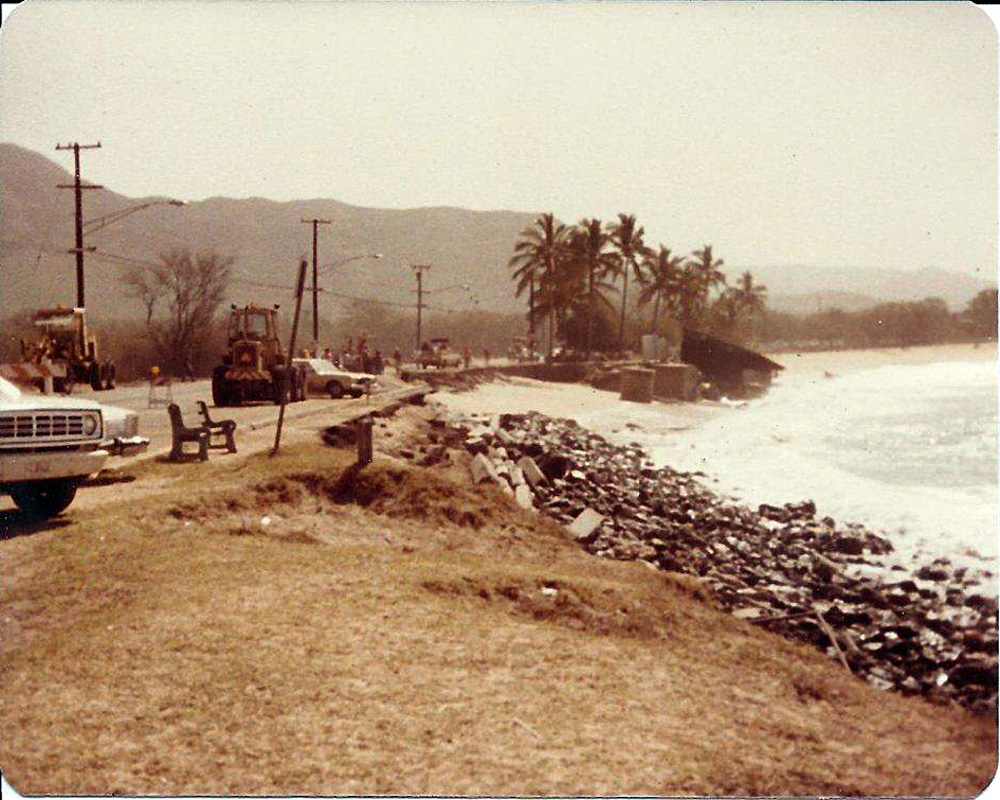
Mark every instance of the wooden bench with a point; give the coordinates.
(225, 428)
(181, 433)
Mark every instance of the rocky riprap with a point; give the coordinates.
(932, 631)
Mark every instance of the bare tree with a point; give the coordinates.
(188, 290)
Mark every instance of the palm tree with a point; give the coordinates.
(709, 268)
(702, 273)
(660, 276)
(626, 239)
(750, 298)
(588, 249)
(540, 249)
(727, 310)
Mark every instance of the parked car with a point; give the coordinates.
(48, 447)
(121, 432)
(322, 376)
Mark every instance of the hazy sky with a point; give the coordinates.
(823, 133)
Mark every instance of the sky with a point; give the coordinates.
(821, 133)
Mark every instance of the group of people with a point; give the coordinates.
(359, 357)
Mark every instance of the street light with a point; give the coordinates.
(326, 268)
(348, 260)
(108, 219)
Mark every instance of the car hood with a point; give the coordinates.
(13, 399)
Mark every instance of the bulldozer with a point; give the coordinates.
(253, 367)
(66, 350)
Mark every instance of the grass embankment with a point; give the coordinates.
(399, 631)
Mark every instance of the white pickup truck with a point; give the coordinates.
(50, 445)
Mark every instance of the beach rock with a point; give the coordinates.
(555, 465)
(932, 573)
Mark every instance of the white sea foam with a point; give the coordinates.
(908, 450)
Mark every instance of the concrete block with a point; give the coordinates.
(531, 471)
(516, 475)
(523, 496)
(584, 528)
(483, 470)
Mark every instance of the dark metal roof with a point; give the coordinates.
(712, 355)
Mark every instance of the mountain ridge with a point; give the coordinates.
(267, 237)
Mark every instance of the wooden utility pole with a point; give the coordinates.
(78, 187)
(287, 379)
(315, 225)
(419, 269)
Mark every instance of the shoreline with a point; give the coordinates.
(701, 437)
(809, 579)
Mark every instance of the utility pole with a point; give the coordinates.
(419, 269)
(315, 223)
(76, 147)
(287, 378)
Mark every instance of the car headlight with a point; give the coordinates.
(91, 424)
(131, 424)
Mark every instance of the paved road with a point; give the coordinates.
(155, 424)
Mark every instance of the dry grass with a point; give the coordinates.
(185, 647)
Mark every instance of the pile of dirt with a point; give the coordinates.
(407, 493)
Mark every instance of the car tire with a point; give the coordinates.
(44, 499)
(335, 390)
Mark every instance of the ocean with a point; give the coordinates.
(907, 449)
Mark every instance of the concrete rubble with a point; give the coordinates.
(932, 631)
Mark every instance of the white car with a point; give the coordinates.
(48, 447)
(121, 432)
(322, 376)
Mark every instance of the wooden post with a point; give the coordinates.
(299, 288)
(363, 428)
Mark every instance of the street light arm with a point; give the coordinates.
(463, 286)
(328, 267)
(115, 216)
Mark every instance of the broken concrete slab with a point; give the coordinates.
(523, 496)
(483, 470)
(584, 528)
(531, 471)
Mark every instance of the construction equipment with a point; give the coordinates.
(253, 367)
(436, 353)
(66, 352)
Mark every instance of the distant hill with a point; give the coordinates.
(804, 289)
(266, 238)
(812, 302)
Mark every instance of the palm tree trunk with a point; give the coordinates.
(531, 309)
(621, 323)
(552, 304)
(656, 313)
(590, 310)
